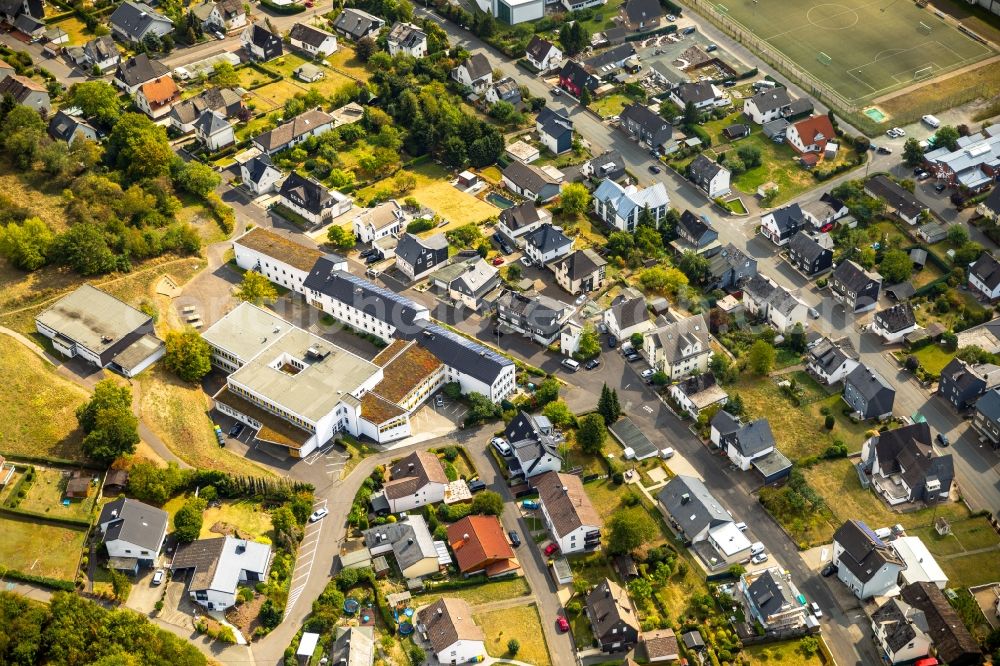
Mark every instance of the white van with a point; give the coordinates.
(764, 84)
(756, 547)
(932, 121)
(571, 364)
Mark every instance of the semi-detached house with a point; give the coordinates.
(612, 617)
(854, 287)
(782, 224)
(311, 199)
(134, 21)
(517, 221)
(865, 564)
(290, 134)
(415, 481)
(678, 348)
(416, 257)
(538, 317)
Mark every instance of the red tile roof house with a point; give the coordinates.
(810, 135)
(480, 546)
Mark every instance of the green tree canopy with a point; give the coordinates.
(197, 178)
(896, 266)
(761, 357)
(575, 199)
(139, 147)
(188, 520)
(913, 154)
(27, 245)
(946, 136)
(558, 412)
(590, 344)
(257, 289)
(487, 503)
(630, 529)
(98, 100)
(592, 433)
(188, 355)
(340, 238)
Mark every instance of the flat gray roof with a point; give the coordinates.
(92, 318)
(626, 432)
(328, 373)
(137, 352)
(246, 331)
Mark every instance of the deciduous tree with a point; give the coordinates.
(188, 355)
(761, 357)
(575, 199)
(257, 289)
(592, 433)
(630, 529)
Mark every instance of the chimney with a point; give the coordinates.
(685, 498)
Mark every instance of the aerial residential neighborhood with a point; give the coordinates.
(515, 332)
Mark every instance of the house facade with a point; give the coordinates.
(830, 362)
(854, 287)
(311, 199)
(868, 394)
(539, 318)
(260, 44)
(555, 130)
(132, 530)
(865, 564)
(571, 519)
(900, 630)
(710, 176)
(984, 276)
(904, 467)
(415, 481)
(474, 72)
(620, 207)
(314, 41)
(626, 316)
(698, 392)
(385, 219)
(546, 244)
(516, 222)
(612, 618)
(409, 39)
(581, 272)
(417, 257)
(259, 175)
(894, 323)
(680, 347)
(782, 224)
(810, 135)
(543, 54)
(809, 255)
(986, 419)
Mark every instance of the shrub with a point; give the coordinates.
(451, 453)
(829, 422)
(417, 226)
(513, 646)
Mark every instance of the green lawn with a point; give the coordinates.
(249, 518)
(971, 570)
(781, 653)
(521, 623)
(592, 567)
(45, 496)
(39, 406)
(851, 433)
(510, 588)
(610, 105)
(933, 358)
(346, 61)
(40, 548)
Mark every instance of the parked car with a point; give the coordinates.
(942, 439)
(158, 577)
(476, 486)
(551, 549)
(364, 254)
(557, 91)
(759, 558)
(671, 17)
(814, 607)
(612, 341)
(373, 258)
(632, 357)
(439, 400)
(648, 372)
(497, 261)
(829, 570)
(562, 623)
(814, 313)
(592, 363)
(923, 175)
(882, 150)
(581, 299)
(501, 445)
(710, 48)
(688, 30)
(527, 262)
(602, 328)
(531, 505)
(515, 540)
(236, 430)
(318, 514)
(654, 169)
(940, 187)
(729, 83)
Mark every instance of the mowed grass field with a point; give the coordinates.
(39, 406)
(874, 46)
(40, 548)
(521, 623)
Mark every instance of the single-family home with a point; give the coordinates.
(710, 176)
(475, 286)
(26, 92)
(830, 362)
(133, 532)
(610, 165)
(215, 568)
(774, 304)
(481, 547)
(868, 394)
(571, 519)
(605, 63)
(534, 446)
(782, 224)
(260, 44)
(156, 98)
(555, 130)
(894, 323)
(385, 219)
(730, 268)
(695, 234)
(620, 207)
(416, 480)
(641, 15)
(410, 542)
(547, 243)
(701, 94)
(133, 21)
(505, 90)
(416, 257)
(293, 132)
(901, 631)
(612, 618)
(574, 77)
(678, 348)
(865, 563)
(102, 53)
(259, 175)
(530, 182)
(353, 646)
(953, 644)
(826, 210)
(474, 72)
(691, 509)
(903, 466)
(809, 253)
(407, 38)
(772, 600)
(698, 392)
(311, 199)
(537, 317)
(986, 419)
(357, 24)
(522, 151)
(645, 126)
(984, 276)
(517, 221)
(854, 287)
(580, 272)
(990, 206)
(69, 127)
(627, 315)
(659, 645)
(10, 10)
(899, 201)
(750, 441)
(97, 327)
(227, 102)
(214, 131)
(314, 41)
(221, 15)
(543, 54)
(453, 634)
(810, 135)
(767, 105)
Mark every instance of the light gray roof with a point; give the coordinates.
(629, 311)
(210, 122)
(217, 562)
(691, 505)
(477, 66)
(672, 337)
(135, 522)
(407, 35)
(354, 646)
(411, 540)
(92, 318)
(769, 100)
(135, 18)
(479, 277)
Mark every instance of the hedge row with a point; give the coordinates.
(53, 583)
(50, 460)
(73, 523)
(14, 497)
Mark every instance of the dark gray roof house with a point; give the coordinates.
(697, 93)
(696, 231)
(702, 171)
(730, 268)
(612, 617)
(984, 274)
(799, 108)
(226, 101)
(539, 317)
(261, 44)
(806, 253)
(753, 438)
(460, 353)
(830, 361)
(133, 72)
(64, 127)
(868, 393)
(306, 193)
(129, 524)
(986, 420)
(132, 21)
(900, 201)
(555, 129)
(893, 320)
(775, 129)
(693, 510)
(613, 58)
(643, 14)
(770, 599)
(899, 623)
(355, 23)
(953, 644)
(864, 555)
(373, 300)
(610, 164)
(417, 256)
(645, 126)
(962, 383)
(547, 239)
(907, 452)
(538, 49)
(855, 287)
(783, 223)
(535, 445)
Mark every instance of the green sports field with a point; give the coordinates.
(861, 48)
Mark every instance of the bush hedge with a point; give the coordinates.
(54, 583)
(74, 523)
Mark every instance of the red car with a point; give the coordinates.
(562, 623)
(551, 548)
(497, 261)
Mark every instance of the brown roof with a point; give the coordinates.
(390, 352)
(479, 542)
(449, 620)
(952, 641)
(79, 486)
(116, 477)
(376, 409)
(281, 248)
(660, 644)
(608, 605)
(161, 91)
(569, 508)
(301, 124)
(413, 472)
(274, 429)
(409, 368)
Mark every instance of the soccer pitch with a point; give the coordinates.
(861, 49)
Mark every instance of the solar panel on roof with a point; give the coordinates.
(871, 534)
(468, 344)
